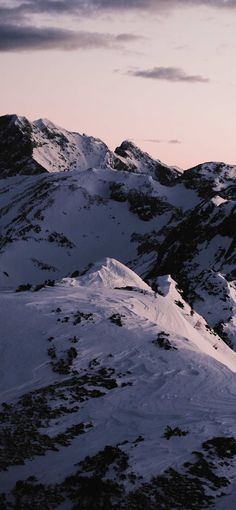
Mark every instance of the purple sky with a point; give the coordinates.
(159, 72)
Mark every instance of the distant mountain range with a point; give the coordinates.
(118, 313)
(37, 147)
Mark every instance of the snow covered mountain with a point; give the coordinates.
(116, 376)
(37, 147)
(40, 146)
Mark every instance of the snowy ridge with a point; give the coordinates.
(59, 150)
(112, 274)
(40, 146)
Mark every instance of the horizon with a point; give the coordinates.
(159, 74)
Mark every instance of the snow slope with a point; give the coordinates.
(132, 386)
(59, 150)
(55, 224)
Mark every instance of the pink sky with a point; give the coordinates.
(168, 84)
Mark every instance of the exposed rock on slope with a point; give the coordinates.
(211, 179)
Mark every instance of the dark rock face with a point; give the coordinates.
(202, 225)
(211, 178)
(16, 147)
(167, 176)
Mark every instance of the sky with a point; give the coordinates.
(161, 73)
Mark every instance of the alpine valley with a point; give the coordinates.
(118, 326)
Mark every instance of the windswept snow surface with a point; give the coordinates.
(191, 385)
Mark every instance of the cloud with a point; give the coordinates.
(152, 140)
(17, 18)
(156, 140)
(21, 38)
(173, 74)
(156, 5)
(20, 8)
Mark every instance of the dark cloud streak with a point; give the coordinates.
(22, 10)
(22, 38)
(172, 74)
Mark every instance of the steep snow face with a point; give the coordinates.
(119, 375)
(112, 274)
(59, 150)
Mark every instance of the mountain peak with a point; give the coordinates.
(141, 162)
(128, 148)
(43, 122)
(111, 273)
(41, 146)
(13, 119)
(211, 178)
(16, 147)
